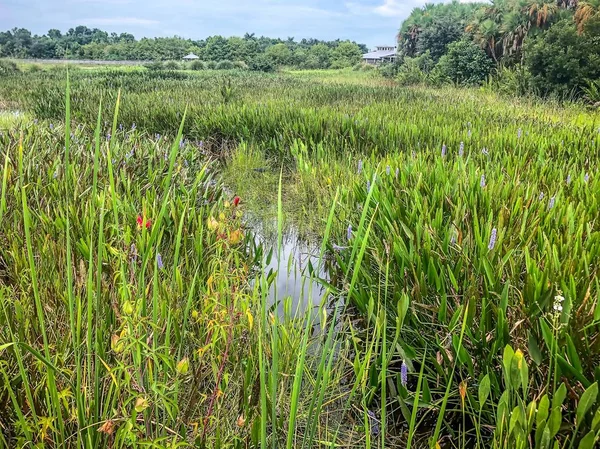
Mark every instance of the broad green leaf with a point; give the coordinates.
(586, 401)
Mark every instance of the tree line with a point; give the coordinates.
(548, 47)
(82, 42)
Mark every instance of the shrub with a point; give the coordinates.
(262, 63)
(211, 65)
(241, 65)
(561, 60)
(155, 65)
(171, 65)
(225, 65)
(410, 73)
(465, 63)
(198, 65)
(388, 69)
(8, 67)
(33, 68)
(512, 81)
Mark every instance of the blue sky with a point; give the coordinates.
(372, 22)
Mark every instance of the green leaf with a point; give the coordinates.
(586, 401)
(542, 413)
(484, 391)
(587, 442)
(555, 421)
(559, 396)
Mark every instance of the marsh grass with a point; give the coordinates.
(451, 333)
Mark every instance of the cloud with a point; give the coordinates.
(98, 21)
(396, 8)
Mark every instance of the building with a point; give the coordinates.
(190, 57)
(381, 54)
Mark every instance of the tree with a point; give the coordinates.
(280, 54)
(318, 56)
(561, 60)
(346, 54)
(465, 63)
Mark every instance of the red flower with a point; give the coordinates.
(236, 201)
(140, 222)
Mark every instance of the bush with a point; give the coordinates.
(388, 69)
(262, 63)
(211, 65)
(225, 65)
(410, 73)
(33, 68)
(465, 63)
(512, 81)
(171, 65)
(155, 65)
(198, 65)
(561, 60)
(8, 67)
(241, 65)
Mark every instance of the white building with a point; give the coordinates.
(381, 54)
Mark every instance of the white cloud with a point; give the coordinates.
(391, 8)
(117, 21)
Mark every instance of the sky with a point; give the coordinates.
(371, 22)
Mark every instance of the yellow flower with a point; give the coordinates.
(141, 404)
(212, 224)
(250, 318)
(236, 237)
(183, 366)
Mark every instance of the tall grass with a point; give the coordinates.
(135, 304)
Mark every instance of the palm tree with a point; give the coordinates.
(541, 11)
(584, 11)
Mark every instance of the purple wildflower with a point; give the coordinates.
(120, 126)
(157, 137)
(444, 150)
(482, 181)
(159, 261)
(519, 133)
(368, 186)
(404, 374)
(107, 137)
(181, 143)
(397, 172)
(360, 166)
(133, 127)
(469, 134)
(493, 239)
(51, 126)
(485, 151)
(461, 149)
(133, 252)
(387, 170)
(541, 197)
(586, 178)
(568, 179)
(551, 205)
(349, 233)
(453, 239)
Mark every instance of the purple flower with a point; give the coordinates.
(120, 127)
(133, 252)
(349, 233)
(51, 126)
(493, 239)
(519, 133)
(541, 197)
(551, 204)
(443, 150)
(108, 136)
(368, 186)
(387, 170)
(360, 166)
(181, 143)
(397, 171)
(404, 374)
(586, 178)
(461, 149)
(485, 151)
(482, 181)
(133, 127)
(469, 134)
(453, 239)
(159, 261)
(568, 179)
(157, 137)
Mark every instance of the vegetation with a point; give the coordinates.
(84, 43)
(456, 242)
(553, 44)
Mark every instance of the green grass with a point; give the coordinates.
(104, 342)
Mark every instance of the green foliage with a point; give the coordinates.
(346, 54)
(225, 65)
(262, 63)
(280, 54)
(8, 67)
(561, 60)
(155, 65)
(465, 63)
(211, 65)
(171, 65)
(198, 65)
